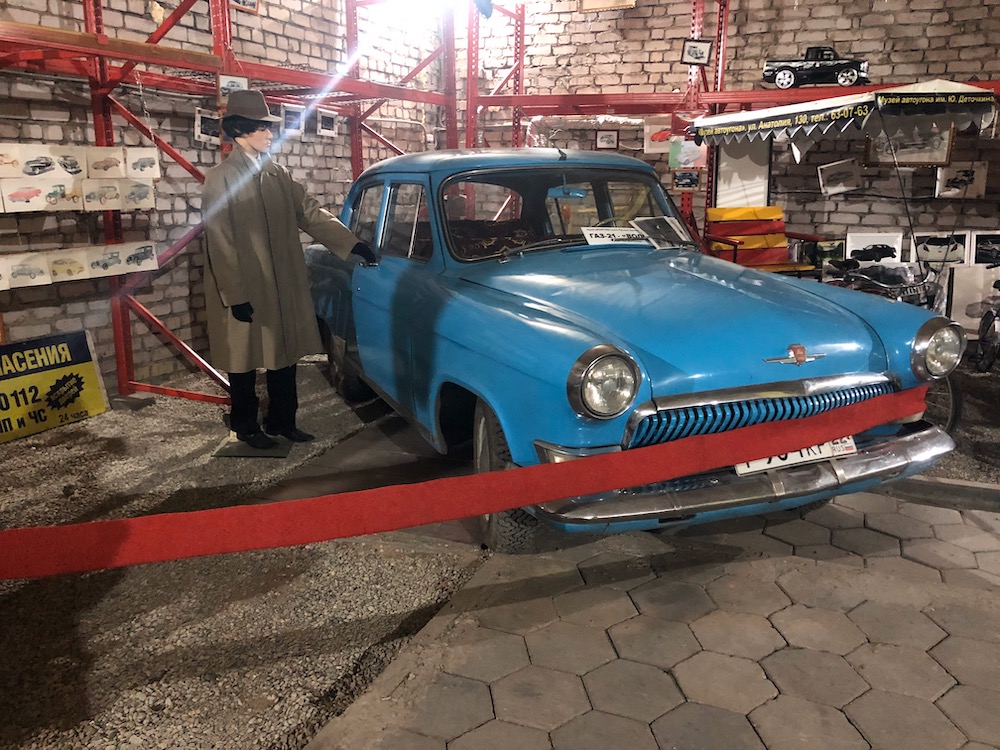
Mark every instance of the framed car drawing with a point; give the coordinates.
(986, 247)
(606, 140)
(941, 247)
(874, 247)
(696, 52)
(965, 179)
(910, 149)
(839, 177)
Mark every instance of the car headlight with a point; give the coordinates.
(603, 382)
(937, 349)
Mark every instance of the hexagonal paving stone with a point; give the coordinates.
(616, 571)
(978, 579)
(569, 647)
(968, 537)
(816, 676)
(596, 607)
(865, 542)
(956, 618)
(518, 617)
(728, 682)
(899, 567)
(798, 532)
(901, 669)
(540, 698)
(486, 655)
(937, 554)
(867, 502)
(818, 629)
(694, 726)
(743, 594)
(737, 634)
(930, 513)
(969, 661)
(818, 588)
(989, 561)
(451, 707)
(835, 515)
(790, 722)
(973, 710)
(896, 623)
(401, 739)
(637, 691)
(829, 553)
(898, 525)
(901, 722)
(599, 731)
(683, 602)
(654, 641)
(502, 735)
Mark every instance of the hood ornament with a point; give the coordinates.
(797, 355)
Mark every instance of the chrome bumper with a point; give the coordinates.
(881, 462)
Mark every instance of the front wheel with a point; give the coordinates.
(784, 78)
(847, 77)
(508, 531)
(944, 404)
(989, 342)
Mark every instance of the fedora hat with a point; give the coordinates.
(249, 103)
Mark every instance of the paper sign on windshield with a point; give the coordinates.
(603, 235)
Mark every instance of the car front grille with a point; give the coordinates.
(665, 425)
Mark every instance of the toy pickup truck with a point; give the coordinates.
(820, 65)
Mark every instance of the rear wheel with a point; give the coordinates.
(989, 341)
(509, 530)
(944, 404)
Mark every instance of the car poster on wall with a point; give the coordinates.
(101, 195)
(961, 179)
(25, 269)
(142, 163)
(24, 194)
(10, 160)
(105, 161)
(656, 135)
(137, 194)
(941, 247)
(986, 247)
(869, 248)
(68, 264)
(972, 295)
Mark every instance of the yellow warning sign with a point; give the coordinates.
(47, 382)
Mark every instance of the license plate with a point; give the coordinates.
(832, 449)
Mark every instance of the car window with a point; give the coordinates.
(407, 230)
(570, 207)
(364, 214)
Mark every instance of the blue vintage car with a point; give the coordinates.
(513, 312)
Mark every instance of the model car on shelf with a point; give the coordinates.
(145, 252)
(69, 163)
(105, 164)
(492, 323)
(58, 193)
(143, 163)
(38, 165)
(103, 194)
(875, 252)
(65, 267)
(820, 65)
(108, 258)
(25, 194)
(26, 269)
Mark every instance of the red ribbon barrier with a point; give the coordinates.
(75, 548)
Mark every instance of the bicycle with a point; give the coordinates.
(989, 333)
(899, 283)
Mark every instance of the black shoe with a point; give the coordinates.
(294, 434)
(257, 440)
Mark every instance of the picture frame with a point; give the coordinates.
(327, 122)
(961, 179)
(656, 133)
(870, 248)
(207, 126)
(292, 118)
(839, 177)
(696, 52)
(686, 180)
(229, 84)
(911, 149)
(940, 248)
(986, 247)
(606, 140)
(592, 5)
(247, 6)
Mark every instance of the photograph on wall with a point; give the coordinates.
(940, 247)
(25, 194)
(68, 264)
(961, 179)
(10, 160)
(986, 247)
(973, 295)
(696, 52)
(686, 180)
(105, 161)
(606, 140)
(142, 163)
(656, 135)
(686, 154)
(137, 194)
(206, 126)
(912, 148)
(101, 195)
(26, 269)
(229, 84)
(292, 118)
(326, 122)
(874, 247)
(839, 177)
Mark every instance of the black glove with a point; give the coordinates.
(243, 312)
(365, 253)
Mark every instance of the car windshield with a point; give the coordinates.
(496, 213)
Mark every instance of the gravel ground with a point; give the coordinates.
(253, 650)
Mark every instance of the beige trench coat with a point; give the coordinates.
(254, 254)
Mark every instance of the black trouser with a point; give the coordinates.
(282, 396)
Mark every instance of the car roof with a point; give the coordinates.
(461, 160)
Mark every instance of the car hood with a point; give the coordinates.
(693, 322)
